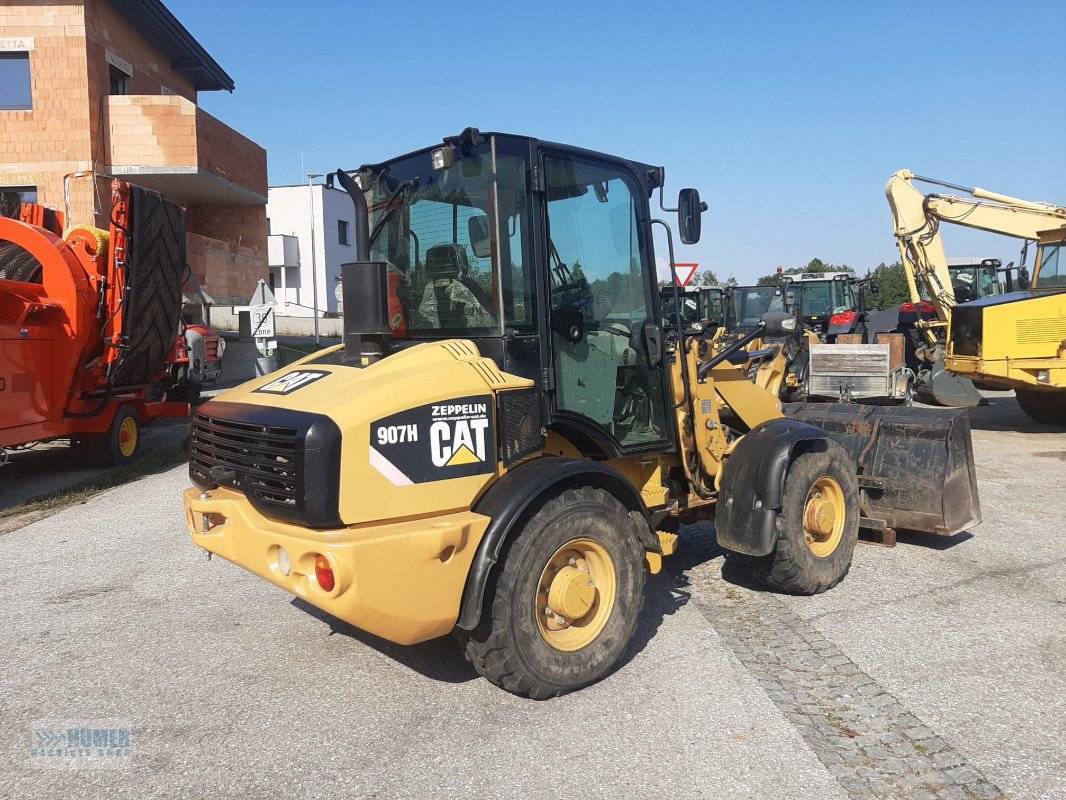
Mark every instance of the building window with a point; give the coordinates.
(12, 198)
(119, 80)
(342, 232)
(15, 92)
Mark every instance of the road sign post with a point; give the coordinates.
(261, 309)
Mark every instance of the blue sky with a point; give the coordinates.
(788, 117)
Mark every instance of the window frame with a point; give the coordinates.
(640, 194)
(21, 190)
(344, 237)
(19, 55)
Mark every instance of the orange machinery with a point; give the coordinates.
(88, 321)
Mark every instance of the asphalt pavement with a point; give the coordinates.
(934, 670)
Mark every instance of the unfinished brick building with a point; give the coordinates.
(110, 87)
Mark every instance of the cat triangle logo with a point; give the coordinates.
(462, 455)
(291, 381)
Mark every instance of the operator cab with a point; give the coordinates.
(541, 254)
(745, 306)
(825, 301)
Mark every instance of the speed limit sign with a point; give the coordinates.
(262, 322)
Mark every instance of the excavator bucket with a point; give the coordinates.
(916, 468)
(947, 389)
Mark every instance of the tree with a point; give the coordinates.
(706, 277)
(892, 283)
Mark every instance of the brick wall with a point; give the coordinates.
(38, 147)
(155, 130)
(223, 151)
(228, 272)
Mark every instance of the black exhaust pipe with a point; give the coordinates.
(365, 290)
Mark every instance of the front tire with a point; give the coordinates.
(565, 598)
(817, 527)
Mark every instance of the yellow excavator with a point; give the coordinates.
(505, 443)
(1015, 340)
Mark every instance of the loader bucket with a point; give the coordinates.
(915, 465)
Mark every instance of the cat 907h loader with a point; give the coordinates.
(510, 466)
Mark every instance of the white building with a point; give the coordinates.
(292, 258)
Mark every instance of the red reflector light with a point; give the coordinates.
(922, 307)
(324, 574)
(843, 318)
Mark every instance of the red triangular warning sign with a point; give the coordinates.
(683, 273)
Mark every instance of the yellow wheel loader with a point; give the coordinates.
(504, 446)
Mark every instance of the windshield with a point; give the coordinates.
(751, 302)
(823, 298)
(1051, 266)
(455, 241)
(973, 282)
(690, 308)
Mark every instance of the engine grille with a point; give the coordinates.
(520, 425)
(261, 458)
(286, 462)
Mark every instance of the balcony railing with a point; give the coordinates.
(283, 250)
(167, 143)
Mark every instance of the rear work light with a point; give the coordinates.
(324, 574)
(922, 307)
(843, 318)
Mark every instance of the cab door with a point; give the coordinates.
(601, 297)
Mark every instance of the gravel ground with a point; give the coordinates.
(934, 670)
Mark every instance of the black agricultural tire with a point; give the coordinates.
(792, 567)
(1046, 407)
(507, 646)
(155, 263)
(111, 447)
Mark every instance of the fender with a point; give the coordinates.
(507, 499)
(753, 483)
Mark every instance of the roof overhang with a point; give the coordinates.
(153, 20)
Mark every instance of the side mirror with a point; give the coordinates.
(790, 300)
(477, 229)
(875, 287)
(778, 323)
(689, 209)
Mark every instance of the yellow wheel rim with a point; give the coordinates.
(127, 437)
(824, 516)
(575, 594)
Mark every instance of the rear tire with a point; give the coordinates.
(1047, 407)
(817, 527)
(527, 652)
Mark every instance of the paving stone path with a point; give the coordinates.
(866, 738)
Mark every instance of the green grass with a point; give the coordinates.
(155, 461)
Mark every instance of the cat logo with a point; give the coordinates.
(459, 442)
(435, 442)
(291, 381)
